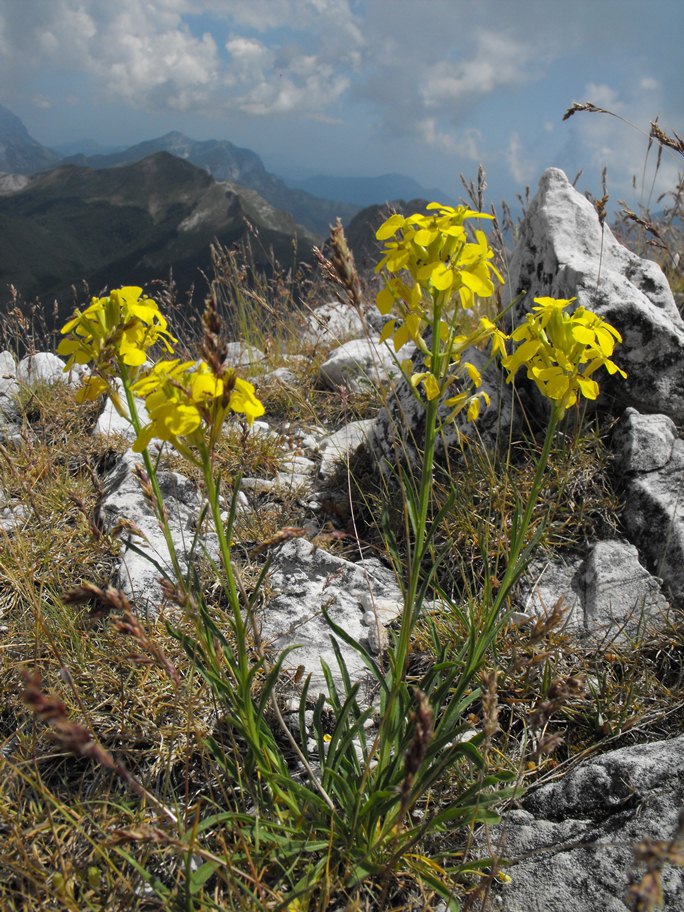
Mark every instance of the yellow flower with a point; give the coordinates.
(122, 325)
(434, 274)
(243, 399)
(561, 351)
(186, 399)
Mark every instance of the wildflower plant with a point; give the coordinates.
(360, 804)
(437, 279)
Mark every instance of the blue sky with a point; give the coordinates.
(429, 88)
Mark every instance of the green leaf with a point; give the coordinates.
(199, 877)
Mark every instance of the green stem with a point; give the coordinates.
(418, 528)
(152, 475)
(513, 570)
(266, 759)
(230, 587)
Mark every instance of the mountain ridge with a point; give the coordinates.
(20, 153)
(132, 224)
(226, 161)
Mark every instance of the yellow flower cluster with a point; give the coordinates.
(123, 325)
(182, 396)
(446, 277)
(561, 351)
(183, 400)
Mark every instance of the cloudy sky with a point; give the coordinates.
(428, 88)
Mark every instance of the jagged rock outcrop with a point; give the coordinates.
(653, 472)
(570, 843)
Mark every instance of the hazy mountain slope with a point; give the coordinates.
(225, 161)
(129, 225)
(19, 152)
(367, 191)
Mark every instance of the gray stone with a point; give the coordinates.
(282, 375)
(12, 516)
(240, 355)
(563, 252)
(571, 842)
(8, 374)
(8, 391)
(361, 364)
(302, 465)
(260, 427)
(284, 482)
(43, 367)
(338, 447)
(547, 581)
(304, 579)
(607, 595)
(333, 323)
(620, 596)
(643, 443)
(654, 519)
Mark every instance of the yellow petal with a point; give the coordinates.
(431, 386)
(390, 227)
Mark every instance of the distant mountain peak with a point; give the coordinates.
(19, 151)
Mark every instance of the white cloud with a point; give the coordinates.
(498, 60)
(140, 52)
(649, 84)
(522, 169)
(145, 53)
(466, 143)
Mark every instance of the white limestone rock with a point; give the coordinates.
(643, 443)
(654, 519)
(240, 355)
(361, 598)
(281, 375)
(338, 447)
(43, 367)
(547, 581)
(332, 324)
(620, 597)
(8, 374)
(8, 391)
(361, 364)
(572, 841)
(138, 577)
(607, 594)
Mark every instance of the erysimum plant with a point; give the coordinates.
(187, 403)
(561, 350)
(359, 804)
